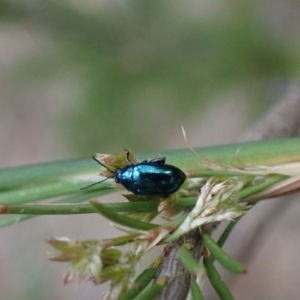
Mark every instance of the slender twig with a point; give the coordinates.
(282, 120)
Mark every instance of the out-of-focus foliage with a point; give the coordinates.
(144, 67)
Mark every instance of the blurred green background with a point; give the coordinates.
(79, 77)
(101, 75)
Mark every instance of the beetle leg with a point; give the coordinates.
(127, 153)
(158, 160)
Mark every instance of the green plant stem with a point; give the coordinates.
(52, 209)
(45, 172)
(254, 153)
(8, 220)
(223, 258)
(46, 191)
(195, 291)
(140, 206)
(120, 219)
(140, 283)
(188, 260)
(240, 154)
(216, 280)
(254, 189)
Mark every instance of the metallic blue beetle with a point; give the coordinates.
(148, 178)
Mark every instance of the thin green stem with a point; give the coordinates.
(8, 220)
(46, 191)
(254, 153)
(45, 172)
(256, 188)
(52, 209)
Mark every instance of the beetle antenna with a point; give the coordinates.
(93, 184)
(103, 165)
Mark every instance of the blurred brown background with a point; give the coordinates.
(79, 77)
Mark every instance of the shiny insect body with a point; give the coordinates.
(148, 178)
